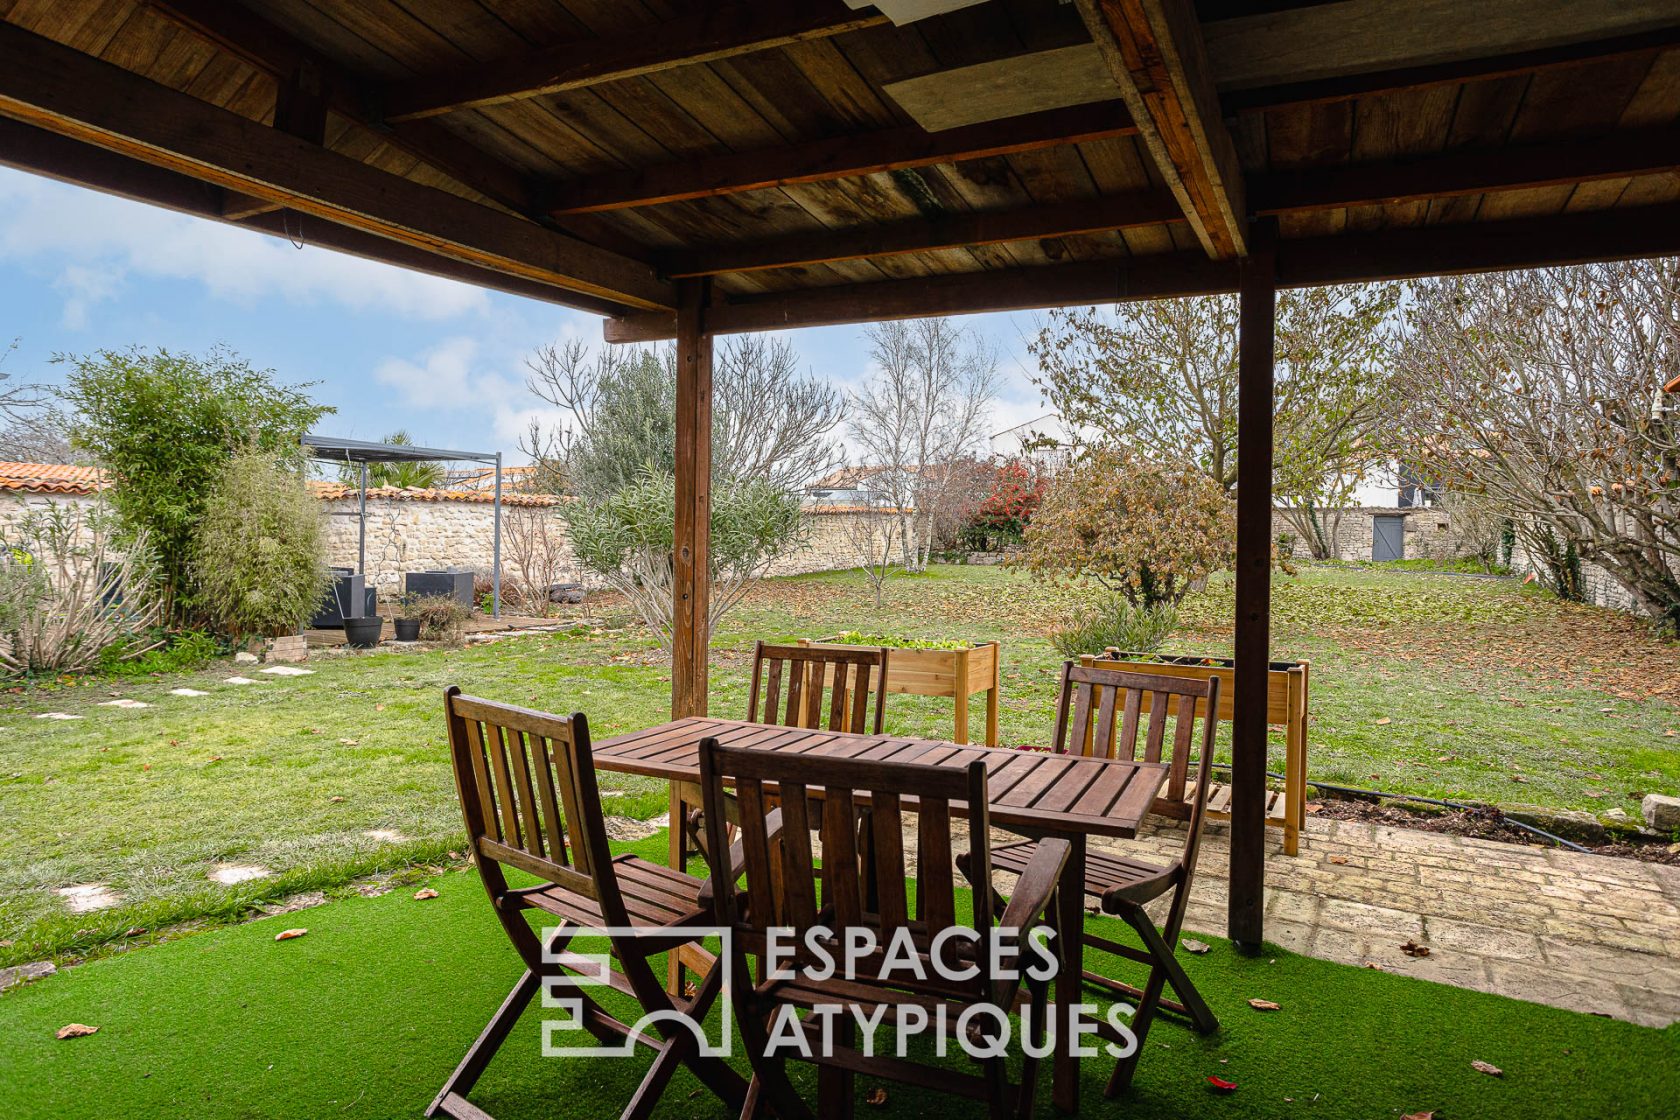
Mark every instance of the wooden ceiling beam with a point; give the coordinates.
(1154, 50)
(1645, 231)
(713, 33)
(48, 154)
(268, 48)
(920, 235)
(1619, 156)
(60, 89)
(838, 158)
(1347, 87)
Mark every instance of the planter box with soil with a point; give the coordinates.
(926, 670)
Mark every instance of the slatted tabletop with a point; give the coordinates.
(1030, 790)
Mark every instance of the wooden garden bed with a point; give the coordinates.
(956, 673)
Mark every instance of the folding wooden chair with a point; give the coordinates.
(1101, 713)
(788, 687)
(862, 887)
(526, 781)
(804, 672)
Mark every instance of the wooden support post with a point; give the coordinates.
(1256, 324)
(693, 574)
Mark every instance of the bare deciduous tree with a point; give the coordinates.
(535, 549)
(1541, 391)
(872, 536)
(1161, 376)
(919, 417)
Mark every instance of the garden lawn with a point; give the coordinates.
(368, 1013)
(1439, 685)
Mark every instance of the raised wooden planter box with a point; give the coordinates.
(956, 673)
(1286, 706)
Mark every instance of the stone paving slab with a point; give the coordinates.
(1585, 932)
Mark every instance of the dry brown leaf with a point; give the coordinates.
(1488, 1068)
(335, 800)
(1338, 860)
(1430, 1115)
(1264, 1005)
(425, 892)
(348, 742)
(876, 1097)
(379, 707)
(289, 934)
(1191, 945)
(134, 931)
(1374, 966)
(1413, 949)
(1384, 721)
(76, 1030)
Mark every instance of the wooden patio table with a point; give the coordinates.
(1033, 793)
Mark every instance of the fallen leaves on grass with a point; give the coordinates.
(1487, 1067)
(1264, 1005)
(289, 934)
(425, 893)
(1430, 1115)
(75, 1030)
(876, 1097)
(1384, 722)
(335, 800)
(1413, 949)
(1220, 1085)
(1191, 945)
(348, 742)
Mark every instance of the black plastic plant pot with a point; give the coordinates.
(363, 633)
(408, 629)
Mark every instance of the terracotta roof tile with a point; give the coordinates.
(51, 478)
(62, 478)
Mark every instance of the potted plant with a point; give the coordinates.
(408, 619)
(364, 633)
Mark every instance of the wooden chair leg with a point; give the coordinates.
(835, 1086)
(1201, 1016)
(1121, 1079)
(489, 1040)
(775, 1092)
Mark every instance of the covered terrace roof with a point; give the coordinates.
(822, 163)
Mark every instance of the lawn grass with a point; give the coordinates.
(1437, 685)
(367, 1014)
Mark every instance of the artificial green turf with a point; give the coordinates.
(367, 1014)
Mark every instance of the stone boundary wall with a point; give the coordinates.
(1598, 586)
(1428, 533)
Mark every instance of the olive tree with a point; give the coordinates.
(629, 539)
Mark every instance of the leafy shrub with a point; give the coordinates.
(1145, 530)
(164, 425)
(259, 555)
(1115, 622)
(160, 652)
(68, 592)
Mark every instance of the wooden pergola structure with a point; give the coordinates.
(687, 168)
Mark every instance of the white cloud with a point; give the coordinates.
(98, 242)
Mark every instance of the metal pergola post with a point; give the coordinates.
(361, 531)
(496, 562)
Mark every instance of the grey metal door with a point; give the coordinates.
(1388, 538)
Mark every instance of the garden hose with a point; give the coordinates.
(1558, 840)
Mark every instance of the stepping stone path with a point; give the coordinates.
(229, 873)
(57, 715)
(240, 680)
(243, 658)
(85, 898)
(23, 973)
(385, 835)
(187, 692)
(286, 671)
(124, 703)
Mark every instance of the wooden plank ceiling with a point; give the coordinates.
(822, 164)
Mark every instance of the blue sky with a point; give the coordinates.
(81, 271)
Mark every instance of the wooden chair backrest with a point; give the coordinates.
(1102, 712)
(528, 794)
(826, 796)
(788, 683)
